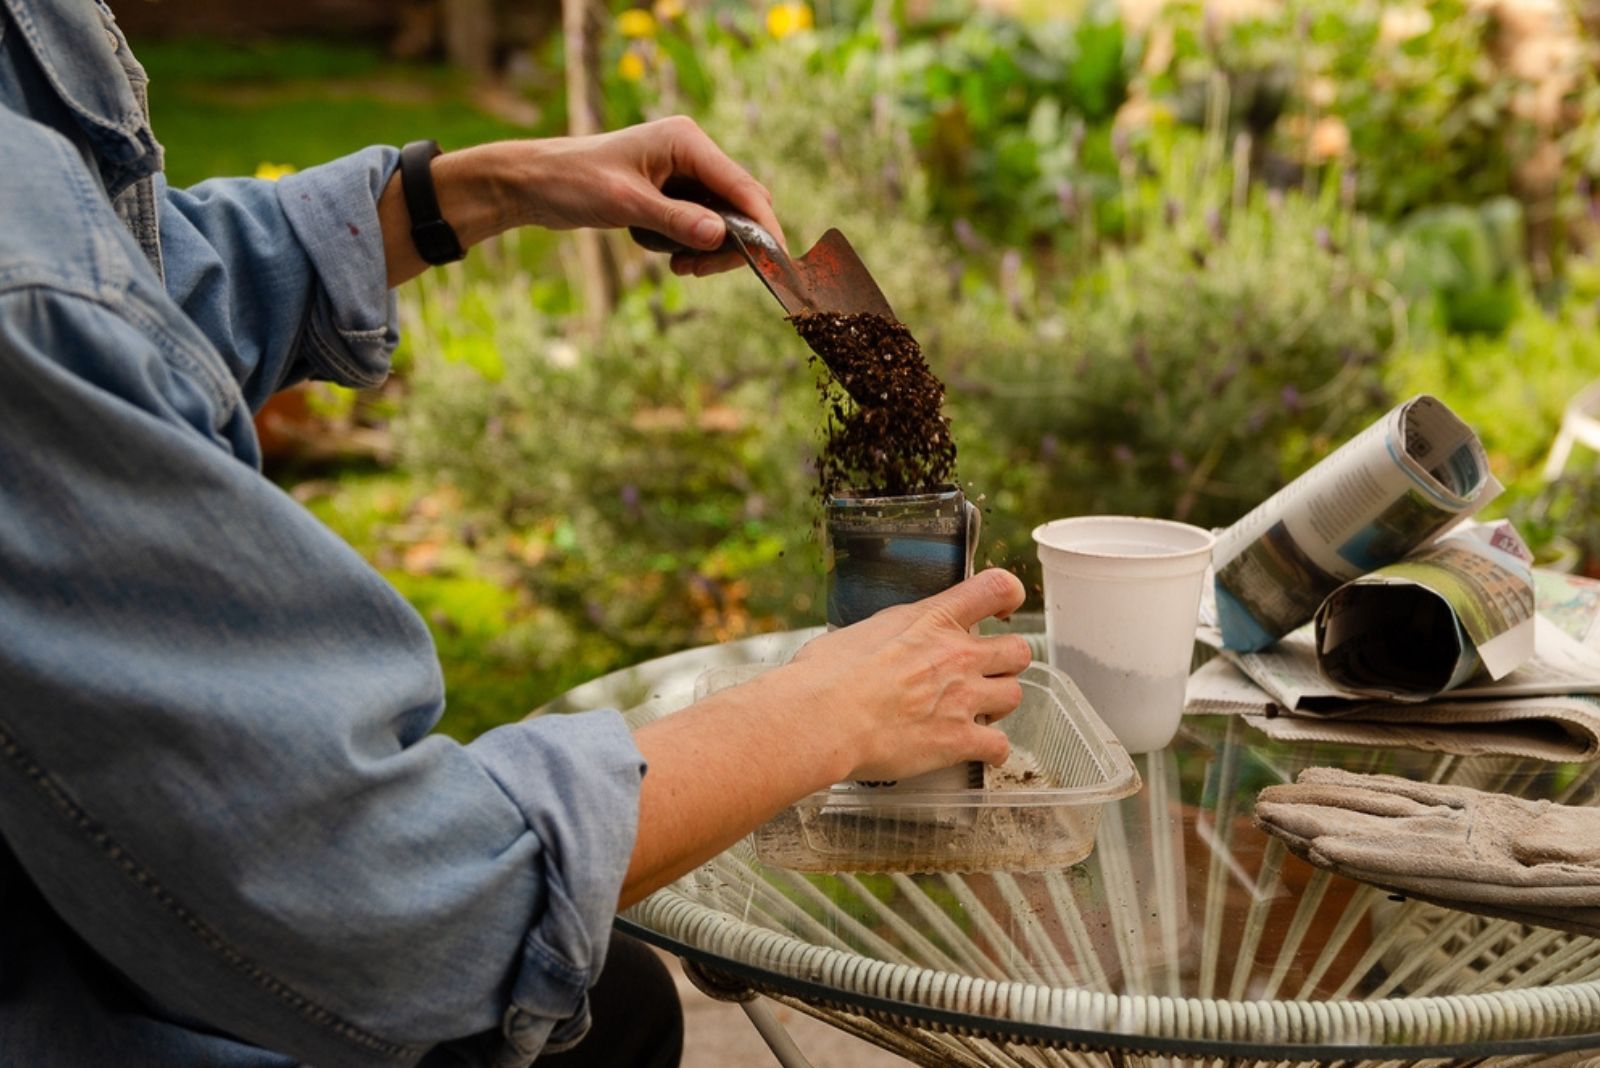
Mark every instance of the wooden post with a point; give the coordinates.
(582, 22)
(469, 36)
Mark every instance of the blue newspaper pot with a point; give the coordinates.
(883, 551)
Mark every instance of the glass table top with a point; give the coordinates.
(1186, 932)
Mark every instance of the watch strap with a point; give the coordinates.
(435, 240)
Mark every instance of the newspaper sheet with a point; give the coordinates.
(1546, 708)
(1404, 481)
(1289, 674)
(1557, 728)
(1446, 614)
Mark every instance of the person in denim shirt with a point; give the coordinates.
(226, 835)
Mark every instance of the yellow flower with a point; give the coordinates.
(1400, 24)
(636, 22)
(273, 171)
(1330, 139)
(667, 10)
(784, 19)
(631, 66)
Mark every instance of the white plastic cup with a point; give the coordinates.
(1122, 602)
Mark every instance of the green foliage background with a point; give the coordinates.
(1145, 288)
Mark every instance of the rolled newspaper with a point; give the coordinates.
(1450, 612)
(1401, 483)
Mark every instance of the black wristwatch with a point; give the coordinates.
(434, 238)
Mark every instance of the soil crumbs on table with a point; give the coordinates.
(886, 429)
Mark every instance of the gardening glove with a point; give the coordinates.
(1531, 861)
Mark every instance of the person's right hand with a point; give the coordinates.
(907, 691)
(911, 690)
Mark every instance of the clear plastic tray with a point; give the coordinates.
(1039, 811)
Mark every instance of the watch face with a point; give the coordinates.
(436, 241)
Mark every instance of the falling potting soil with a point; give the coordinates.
(886, 428)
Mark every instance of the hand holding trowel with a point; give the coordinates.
(830, 278)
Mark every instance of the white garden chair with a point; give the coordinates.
(1580, 425)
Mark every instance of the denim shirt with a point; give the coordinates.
(226, 835)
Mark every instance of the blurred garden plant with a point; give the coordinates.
(1442, 102)
(1013, 121)
(656, 484)
(1513, 388)
(635, 485)
(1190, 374)
(1161, 266)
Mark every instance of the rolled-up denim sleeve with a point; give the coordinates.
(286, 279)
(214, 750)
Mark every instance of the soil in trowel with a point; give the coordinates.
(886, 430)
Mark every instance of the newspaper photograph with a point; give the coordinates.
(1571, 602)
(1461, 607)
(1404, 481)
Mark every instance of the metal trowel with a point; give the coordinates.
(829, 278)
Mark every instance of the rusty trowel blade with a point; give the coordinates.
(837, 280)
(829, 278)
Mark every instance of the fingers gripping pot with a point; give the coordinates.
(884, 551)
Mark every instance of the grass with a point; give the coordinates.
(224, 109)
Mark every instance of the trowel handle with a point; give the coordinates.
(657, 242)
(742, 230)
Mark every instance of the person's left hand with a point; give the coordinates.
(614, 180)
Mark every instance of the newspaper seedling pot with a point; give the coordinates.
(1405, 480)
(884, 551)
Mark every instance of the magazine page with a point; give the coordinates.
(1572, 603)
